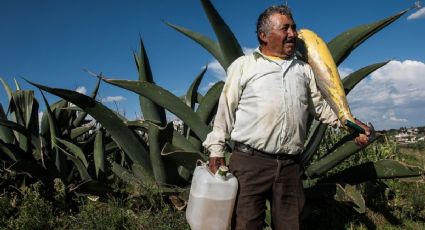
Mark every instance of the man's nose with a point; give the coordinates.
(292, 33)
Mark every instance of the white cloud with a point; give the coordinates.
(247, 50)
(207, 87)
(113, 99)
(343, 71)
(392, 96)
(398, 119)
(390, 115)
(218, 71)
(418, 14)
(81, 89)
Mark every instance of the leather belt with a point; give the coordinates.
(279, 156)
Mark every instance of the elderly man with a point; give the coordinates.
(264, 108)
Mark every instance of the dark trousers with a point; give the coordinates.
(261, 178)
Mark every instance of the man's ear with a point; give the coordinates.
(263, 37)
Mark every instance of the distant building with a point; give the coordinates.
(407, 136)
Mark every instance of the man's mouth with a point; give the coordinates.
(290, 42)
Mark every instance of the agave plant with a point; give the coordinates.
(166, 157)
(317, 180)
(156, 154)
(54, 149)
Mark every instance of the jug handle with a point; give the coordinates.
(204, 164)
(200, 162)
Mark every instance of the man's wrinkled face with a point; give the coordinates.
(281, 38)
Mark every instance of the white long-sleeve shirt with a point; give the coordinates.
(265, 104)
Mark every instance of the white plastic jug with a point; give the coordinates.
(211, 199)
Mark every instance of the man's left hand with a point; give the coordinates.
(363, 139)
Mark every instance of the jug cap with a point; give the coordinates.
(222, 172)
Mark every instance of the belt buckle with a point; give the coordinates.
(285, 149)
(244, 148)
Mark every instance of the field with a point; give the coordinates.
(82, 165)
(391, 204)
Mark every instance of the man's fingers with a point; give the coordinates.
(215, 163)
(213, 166)
(367, 132)
(362, 140)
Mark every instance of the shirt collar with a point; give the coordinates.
(257, 54)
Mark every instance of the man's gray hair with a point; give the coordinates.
(264, 23)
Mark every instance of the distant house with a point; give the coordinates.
(406, 136)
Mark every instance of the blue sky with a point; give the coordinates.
(52, 41)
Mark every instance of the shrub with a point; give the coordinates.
(34, 212)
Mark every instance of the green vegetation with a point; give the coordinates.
(113, 173)
(389, 204)
(30, 208)
(415, 146)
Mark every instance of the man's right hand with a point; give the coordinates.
(215, 163)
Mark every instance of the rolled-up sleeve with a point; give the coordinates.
(225, 117)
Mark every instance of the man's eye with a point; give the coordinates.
(286, 27)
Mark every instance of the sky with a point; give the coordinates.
(52, 42)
